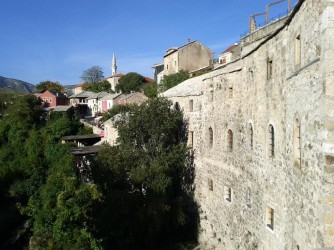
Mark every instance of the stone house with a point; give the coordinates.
(230, 54)
(52, 99)
(107, 102)
(80, 98)
(263, 135)
(93, 100)
(110, 132)
(132, 98)
(190, 57)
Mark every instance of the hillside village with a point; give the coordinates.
(260, 122)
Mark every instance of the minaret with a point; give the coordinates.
(113, 66)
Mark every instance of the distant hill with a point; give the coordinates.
(7, 84)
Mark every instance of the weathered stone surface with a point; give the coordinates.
(260, 178)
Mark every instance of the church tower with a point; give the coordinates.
(113, 66)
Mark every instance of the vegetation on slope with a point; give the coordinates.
(140, 196)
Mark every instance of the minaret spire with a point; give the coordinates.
(113, 66)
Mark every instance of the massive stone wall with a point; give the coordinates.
(254, 195)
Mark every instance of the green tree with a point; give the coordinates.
(50, 86)
(116, 110)
(130, 82)
(145, 179)
(172, 80)
(102, 85)
(62, 211)
(150, 89)
(92, 75)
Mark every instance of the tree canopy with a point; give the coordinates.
(50, 86)
(172, 80)
(93, 75)
(38, 180)
(102, 85)
(140, 194)
(146, 179)
(150, 89)
(130, 82)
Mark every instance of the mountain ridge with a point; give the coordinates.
(16, 85)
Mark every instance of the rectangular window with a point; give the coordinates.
(210, 183)
(191, 105)
(270, 218)
(269, 69)
(228, 194)
(191, 139)
(248, 198)
(230, 92)
(297, 51)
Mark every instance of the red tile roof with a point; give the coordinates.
(116, 75)
(80, 84)
(229, 48)
(148, 80)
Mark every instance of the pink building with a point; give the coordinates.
(53, 99)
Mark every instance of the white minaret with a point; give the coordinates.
(113, 66)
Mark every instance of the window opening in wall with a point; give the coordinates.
(270, 218)
(251, 75)
(210, 183)
(228, 194)
(297, 50)
(230, 140)
(191, 105)
(211, 95)
(271, 141)
(177, 106)
(230, 92)
(191, 139)
(248, 198)
(296, 247)
(250, 136)
(297, 144)
(167, 66)
(269, 68)
(210, 137)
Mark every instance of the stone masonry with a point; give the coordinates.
(263, 135)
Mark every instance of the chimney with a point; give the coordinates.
(188, 40)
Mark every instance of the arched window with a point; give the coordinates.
(250, 136)
(210, 137)
(296, 144)
(271, 149)
(230, 140)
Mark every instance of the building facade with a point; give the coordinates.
(190, 57)
(53, 99)
(262, 129)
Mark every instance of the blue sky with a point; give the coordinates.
(58, 39)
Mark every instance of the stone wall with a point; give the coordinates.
(253, 195)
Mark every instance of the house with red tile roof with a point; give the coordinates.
(53, 99)
(230, 54)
